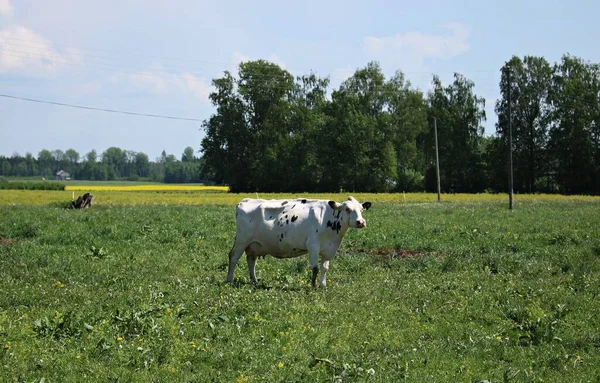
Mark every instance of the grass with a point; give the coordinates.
(112, 197)
(461, 291)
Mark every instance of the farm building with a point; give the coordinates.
(61, 175)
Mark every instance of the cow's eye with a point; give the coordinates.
(348, 210)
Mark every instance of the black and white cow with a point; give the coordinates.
(290, 228)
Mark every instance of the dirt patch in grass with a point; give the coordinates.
(6, 241)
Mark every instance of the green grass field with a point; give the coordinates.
(428, 292)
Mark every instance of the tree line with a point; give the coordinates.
(112, 164)
(272, 132)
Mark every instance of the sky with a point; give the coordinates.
(159, 57)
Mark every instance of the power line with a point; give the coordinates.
(163, 74)
(44, 47)
(99, 109)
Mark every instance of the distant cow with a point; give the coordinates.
(290, 228)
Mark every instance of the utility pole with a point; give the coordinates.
(437, 158)
(510, 146)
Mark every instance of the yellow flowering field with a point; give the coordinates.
(112, 196)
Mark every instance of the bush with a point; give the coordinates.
(410, 180)
(32, 186)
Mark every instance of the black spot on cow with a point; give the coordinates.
(284, 202)
(335, 226)
(293, 206)
(287, 221)
(294, 218)
(286, 216)
(303, 201)
(317, 231)
(270, 217)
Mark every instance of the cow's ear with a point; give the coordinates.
(366, 205)
(334, 205)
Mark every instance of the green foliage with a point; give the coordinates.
(459, 114)
(183, 172)
(555, 123)
(46, 185)
(529, 81)
(358, 141)
(116, 164)
(574, 134)
(427, 292)
(411, 180)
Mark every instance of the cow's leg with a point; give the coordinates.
(251, 266)
(324, 268)
(234, 256)
(313, 255)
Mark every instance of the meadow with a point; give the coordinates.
(134, 289)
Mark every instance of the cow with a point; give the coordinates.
(291, 228)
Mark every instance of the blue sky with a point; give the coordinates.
(158, 57)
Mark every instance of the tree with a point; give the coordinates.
(46, 163)
(528, 82)
(364, 158)
(142, 162)
(575, 107)
(72, 156)
(91, 156)
(30, 164)
(459, 113)
(188, 154)
(6, 168)
(59, 156)
(408, 119)
(243, 141)
(113, 160)
(308, 120)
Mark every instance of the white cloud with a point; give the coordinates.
(6, 8)
(412, 51)
(156, 80)
(25, 52)
(422, 45)
(198, 86)
(151, 79)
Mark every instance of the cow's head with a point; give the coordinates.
(353, 210)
